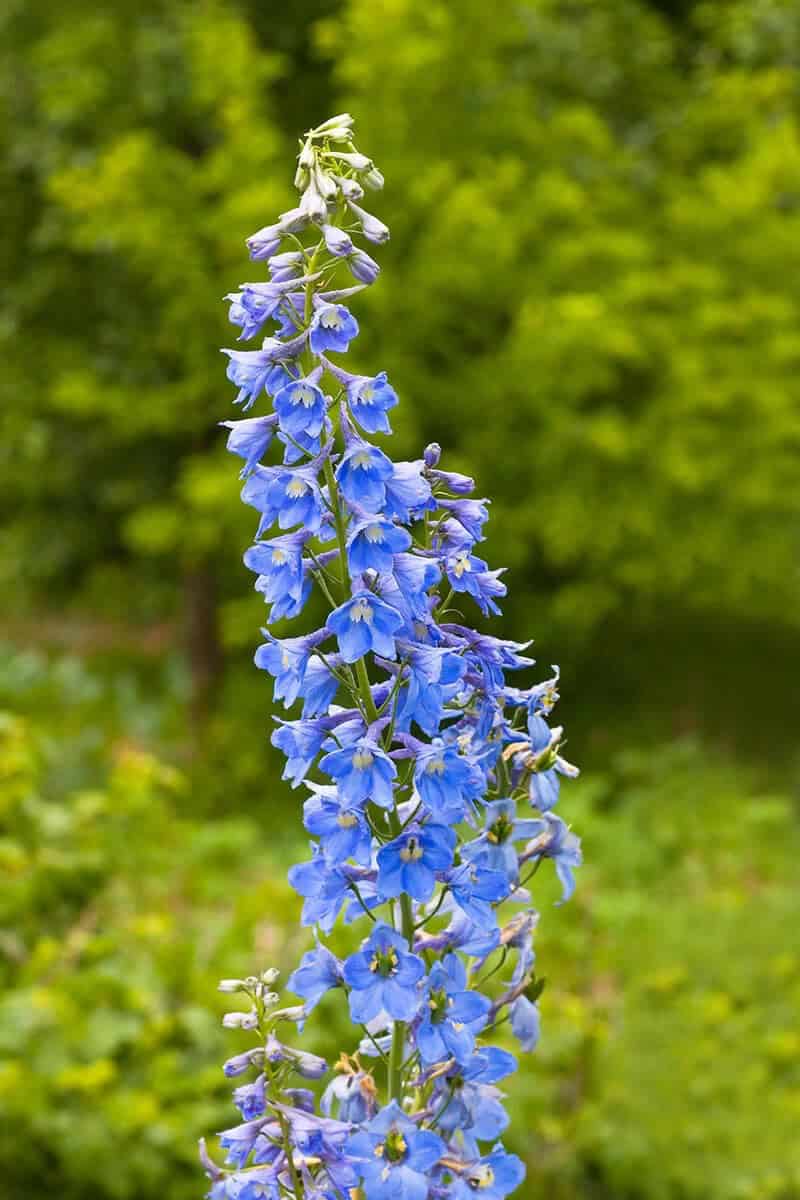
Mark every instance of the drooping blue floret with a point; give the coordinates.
(342, 830)
(250, 438)
(300, 406)
(373, 543)
(362, 475)
(333, 327)
(453, 1014)
(286, 660)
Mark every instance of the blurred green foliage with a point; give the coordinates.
(590, 299)
(670, 1062)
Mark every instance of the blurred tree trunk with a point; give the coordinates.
(203, 647)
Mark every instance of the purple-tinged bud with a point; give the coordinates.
(239, 1020)
(374, 230)
(455, 482)
(351, 189)
(286, 266)
(264, 242)
(338, 242)
(310, 1066)
(432, 454)
(363, 267)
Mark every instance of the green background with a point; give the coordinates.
(591, 300)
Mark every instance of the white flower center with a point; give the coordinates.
(361, 458)
(296, 489)
(363, 759)
(362, 611)
(373, 533)
(330, 319)
(279, 557)
(304, 395)
(346, 820)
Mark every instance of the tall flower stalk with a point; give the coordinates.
(420, 762)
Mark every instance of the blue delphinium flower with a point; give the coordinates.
(491, 1177)
(365, 623)
(300, 406)
(343, 831)
(394, 1158)
(373, 543)
(319, 971)
(370, 398)
(409, 862)
(250, 438)
(333, 327)
(286, 660)
(383, 977)
(362, 475)
(496, 845)
(553, 839)
(452, 1014)
(363, 771)
(419, 749)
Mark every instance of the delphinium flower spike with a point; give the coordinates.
(429, 777)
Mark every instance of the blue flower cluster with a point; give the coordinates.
(430, 778)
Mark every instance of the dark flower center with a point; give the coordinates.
(501, 830)
(384, 962)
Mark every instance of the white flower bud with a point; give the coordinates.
(270, 975)
(231, 985)
(296, 1013)
(324, 130)
(240, 1020)
(373, 179)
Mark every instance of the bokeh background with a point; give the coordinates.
(591, 299)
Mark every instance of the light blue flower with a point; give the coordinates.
(382, 977)
(365, 623)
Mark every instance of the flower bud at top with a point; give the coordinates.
(333, 124)
(270, 975)
(231, 985)
(432, 453)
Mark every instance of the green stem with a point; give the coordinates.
(395, 1081)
